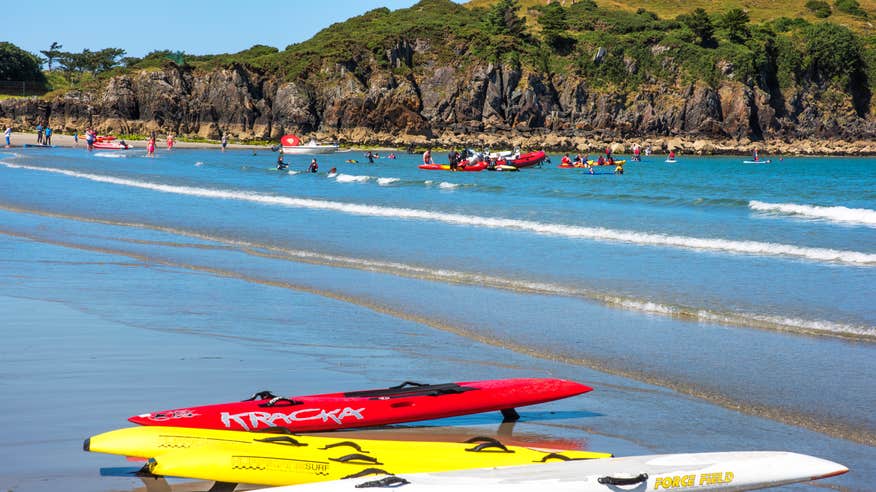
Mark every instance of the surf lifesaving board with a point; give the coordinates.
(758, 162)
(277, 459)
(730, 471)
(406, 402)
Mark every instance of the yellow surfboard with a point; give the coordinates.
(273, 459)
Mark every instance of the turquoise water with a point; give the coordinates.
(735, 300)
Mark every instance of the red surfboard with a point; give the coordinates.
(407, 402)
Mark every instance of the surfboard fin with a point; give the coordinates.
(510, 415)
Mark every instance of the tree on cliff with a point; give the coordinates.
(19, 65)
(52, 53)
(502, 19)
(735, 21)
(832, 51)
(700, 23)
(554, 23)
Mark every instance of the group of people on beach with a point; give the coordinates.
(44, 134)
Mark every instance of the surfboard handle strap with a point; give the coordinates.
(553, 456)
(388, 483)
(261, 395)
(285, 440)
(608, 480)
(278, 401)
(344, 443)
(356, 457)
(485, 444)
(366, 472)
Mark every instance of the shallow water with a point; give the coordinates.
(714, 305)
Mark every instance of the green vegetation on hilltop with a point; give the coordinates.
(612, 46)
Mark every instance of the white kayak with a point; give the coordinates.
(731, 471)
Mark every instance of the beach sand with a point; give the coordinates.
(58, 140)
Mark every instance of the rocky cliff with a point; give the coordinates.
(415, 99)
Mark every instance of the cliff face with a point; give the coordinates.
(417, 100)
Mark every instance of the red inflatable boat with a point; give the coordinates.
(525, 160)
(406, 402)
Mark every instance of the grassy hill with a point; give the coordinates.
(758, 10)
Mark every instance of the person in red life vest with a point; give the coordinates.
(565, 161)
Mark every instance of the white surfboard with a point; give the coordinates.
(731, 471)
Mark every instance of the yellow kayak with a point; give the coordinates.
(616, 163)
(277, 459)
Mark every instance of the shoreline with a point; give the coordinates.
(660, 146)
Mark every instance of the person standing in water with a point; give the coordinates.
(280, 164)
(150, 147)
(170, 141)
(8, 135)
(224, 141)
(314, 167)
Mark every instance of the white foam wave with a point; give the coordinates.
(387, 181)
(858, 216)
(428, 182)
(199, 164)
(110, 155)
(447, 186)
(563, 230)
(331, 175)
(352, 178)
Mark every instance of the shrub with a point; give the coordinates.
(850, 7)
(832, 51)
(819, 8)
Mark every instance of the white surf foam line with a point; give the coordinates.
(857, 216)
(447, 186)
(387, 181)
(351, 178)
(562, 230)
(108, 155)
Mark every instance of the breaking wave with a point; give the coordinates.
(552, 229)
(844, 215)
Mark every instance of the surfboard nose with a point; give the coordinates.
(820, 468)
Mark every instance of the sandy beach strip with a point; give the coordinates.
(19, 139)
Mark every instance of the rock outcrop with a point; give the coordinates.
(415, 99)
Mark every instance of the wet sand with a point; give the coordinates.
(96, 339)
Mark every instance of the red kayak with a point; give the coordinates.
(478, 166)
(110, 145)
(407, 402)
(525, 160)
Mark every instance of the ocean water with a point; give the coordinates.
(720, 305)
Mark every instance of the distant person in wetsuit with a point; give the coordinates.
(314, 167)
(453, 159)
(280, 163)
(370, 157)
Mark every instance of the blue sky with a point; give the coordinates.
(196, 27)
